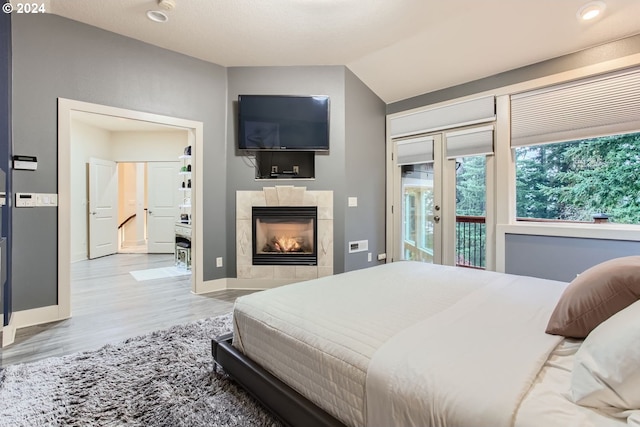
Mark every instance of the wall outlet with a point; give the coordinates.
(296, 170)
(274, 169)
(382, 257)
(219, 262)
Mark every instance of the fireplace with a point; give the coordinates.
(285, 235)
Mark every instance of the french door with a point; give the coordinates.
(440, 199)
(417, 205)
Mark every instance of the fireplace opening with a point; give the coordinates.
(285, 235)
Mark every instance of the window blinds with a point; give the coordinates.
(415, 150)
(470, 142)
(587, 108)
(465, 113)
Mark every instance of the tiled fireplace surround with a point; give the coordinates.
(283, 196)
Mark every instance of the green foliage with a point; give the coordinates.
(471, 201)
(576, 180)
(471, 186)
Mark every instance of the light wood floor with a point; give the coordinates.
(108, 305)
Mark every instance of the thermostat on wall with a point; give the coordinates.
(29, 163)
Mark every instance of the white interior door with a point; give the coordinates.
(162, 205)
(103, 208)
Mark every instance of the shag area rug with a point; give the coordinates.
(165, 378)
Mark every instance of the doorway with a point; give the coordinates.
(150, 204)
(66, 109)
(442, 198)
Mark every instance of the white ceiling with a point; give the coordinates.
(399, 48)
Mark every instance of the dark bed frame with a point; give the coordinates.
(286, 404)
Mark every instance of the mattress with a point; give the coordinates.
(319, 336)
(325, 336)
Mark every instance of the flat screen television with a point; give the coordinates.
(283, 122)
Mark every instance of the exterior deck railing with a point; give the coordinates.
(471, 235)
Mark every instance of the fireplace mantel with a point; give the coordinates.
(283, 196)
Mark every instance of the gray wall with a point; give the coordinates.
(356, 151)
(5, 156)
(329, 169)
(561, 258)
(365, 172)
(56, 57)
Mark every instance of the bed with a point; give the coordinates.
(414, 344)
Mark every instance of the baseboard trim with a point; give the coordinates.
(211, 286)
(258, 284)
(37, 316)
(8, 333)
(241, 284)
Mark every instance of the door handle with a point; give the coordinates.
(436, 218)
(150, 213)
(93, 213)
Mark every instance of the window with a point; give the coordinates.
(471, 196)
(576, 180)
(410, 218)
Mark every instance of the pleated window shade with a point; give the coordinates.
(415, 150)
(475, 111)
(604, 105)
(470, 142)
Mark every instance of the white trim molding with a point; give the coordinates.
(196, 138)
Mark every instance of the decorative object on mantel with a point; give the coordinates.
(165, 378)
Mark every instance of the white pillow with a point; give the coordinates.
(606, 370)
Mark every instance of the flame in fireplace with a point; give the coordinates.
(286, 244)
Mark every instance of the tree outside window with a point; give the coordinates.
(576, 180)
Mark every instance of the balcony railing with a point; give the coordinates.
(471, 235)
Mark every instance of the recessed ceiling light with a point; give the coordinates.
(591, 10)
(157, 16)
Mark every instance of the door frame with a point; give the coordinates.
(195, 139)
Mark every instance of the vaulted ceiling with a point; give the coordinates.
(399, 48)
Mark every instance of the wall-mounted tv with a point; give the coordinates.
(283, 122)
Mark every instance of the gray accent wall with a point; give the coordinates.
(357, 120)
(561, 258)
(329, 169)
(57, 57)
(365, 172)
(5, 170)
(54, 57)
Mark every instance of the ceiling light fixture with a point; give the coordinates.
(591, 10)
(157, 16)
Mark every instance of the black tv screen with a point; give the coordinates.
(283, 122)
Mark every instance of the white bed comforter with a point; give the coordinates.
(469, 365)
(404, 344)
